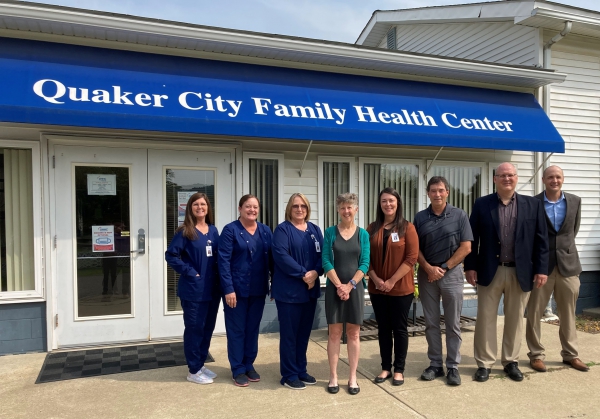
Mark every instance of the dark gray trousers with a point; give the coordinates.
(450, 289)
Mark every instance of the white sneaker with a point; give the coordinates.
(199, 378)
(207, 372)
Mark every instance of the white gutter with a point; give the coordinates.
(546, 99)
(564, 16)
(249, 39)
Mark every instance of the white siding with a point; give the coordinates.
(502, 42)
(308, 184)
(575, 111)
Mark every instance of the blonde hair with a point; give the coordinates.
(288, 208)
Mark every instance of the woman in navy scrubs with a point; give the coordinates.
(296, 287)
(244, 265)
(193, 255)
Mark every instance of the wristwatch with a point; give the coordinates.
(353, 282)
(444, 266)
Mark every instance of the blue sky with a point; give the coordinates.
(335, 20)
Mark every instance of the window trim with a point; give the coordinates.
(280, 173)
(361, 179)
(320, 178)
(38, 293)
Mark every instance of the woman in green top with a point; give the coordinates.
(346, 252)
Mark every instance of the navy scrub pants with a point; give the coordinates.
(242, 324)
(199, 318)
(295, 324)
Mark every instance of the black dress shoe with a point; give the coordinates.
(482, 374)
(379, 380)
(333, 389)
(353, 390)
(513, 372)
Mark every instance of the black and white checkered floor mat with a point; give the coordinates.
(92, 362)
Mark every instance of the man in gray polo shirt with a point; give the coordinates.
(444, 240)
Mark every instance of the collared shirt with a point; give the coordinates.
(556, 211)
(507, 217)
(440, 235)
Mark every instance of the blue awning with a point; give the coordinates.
(43, 83)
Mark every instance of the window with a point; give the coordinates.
(20, 217)
(263, 177)
(464, 179)
(379, 174)
(336, 176)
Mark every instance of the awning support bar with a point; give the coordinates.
(433, 161)
(536, 172)
(305, 156)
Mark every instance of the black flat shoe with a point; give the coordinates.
(398, 382)
(353, 390)
(379, 380)
(333, 389)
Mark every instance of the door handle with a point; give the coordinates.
(141, 242)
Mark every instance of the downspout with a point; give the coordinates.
(546, 95)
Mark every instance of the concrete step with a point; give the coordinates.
(592, 312)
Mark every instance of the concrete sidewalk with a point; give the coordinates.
(164, 393)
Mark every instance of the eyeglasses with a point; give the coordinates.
(297, 207)
(507, 176)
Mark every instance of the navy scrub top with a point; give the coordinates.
(294, 254)
(259, 270)
(188, 258)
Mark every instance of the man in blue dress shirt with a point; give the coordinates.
(563, 216)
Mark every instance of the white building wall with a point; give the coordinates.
(575, 111)
(497, 42)
(309, 183)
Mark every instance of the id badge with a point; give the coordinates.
(395, 237)
(208, 251)
(318, 247)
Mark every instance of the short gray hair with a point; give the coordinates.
(347, 198)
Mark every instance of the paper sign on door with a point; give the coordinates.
(102, 184)
(103, 238)
(182, 199)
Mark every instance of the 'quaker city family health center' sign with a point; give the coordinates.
(78, 86)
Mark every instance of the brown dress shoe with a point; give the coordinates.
(577, 364)
(538, 365)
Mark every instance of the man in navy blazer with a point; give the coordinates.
(509, 255)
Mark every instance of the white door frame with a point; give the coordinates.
(102, 328)
(48, 141)
(169, 324)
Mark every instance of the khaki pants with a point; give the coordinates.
(566, 292)
(488, 299)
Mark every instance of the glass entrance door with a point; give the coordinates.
(101, 219)
(173, 176)
(115, 211)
